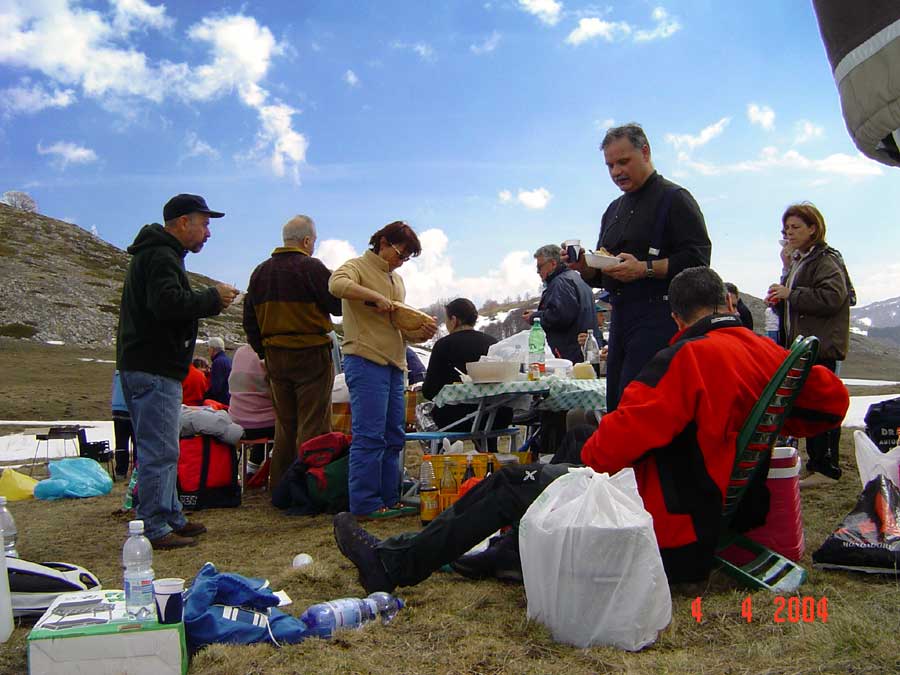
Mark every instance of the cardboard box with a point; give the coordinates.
(89, 632)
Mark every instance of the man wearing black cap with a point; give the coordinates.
(158, 322)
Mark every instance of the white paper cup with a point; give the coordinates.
(169, 596)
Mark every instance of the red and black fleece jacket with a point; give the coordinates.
(677, 426)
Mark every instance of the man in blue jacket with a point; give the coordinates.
(157, 332)
(566, 307)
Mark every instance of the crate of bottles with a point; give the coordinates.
(458, 462)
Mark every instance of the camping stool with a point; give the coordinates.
(47, 434)
(244, 447)
(98, 451)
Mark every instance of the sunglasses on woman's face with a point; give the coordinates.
(403, 256)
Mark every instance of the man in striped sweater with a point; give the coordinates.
(287, 320)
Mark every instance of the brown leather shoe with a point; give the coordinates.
(172, 540)
(190, 529)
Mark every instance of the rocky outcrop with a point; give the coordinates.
(60, 282)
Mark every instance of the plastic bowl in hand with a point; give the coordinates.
(600, 262)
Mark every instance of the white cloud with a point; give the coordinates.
(666, 26)
(536, 199)
(133, 14)
(490, 44)
(351, 78)
(197, 147)
(31, 99)
(548, 11)
(604, 125)
(705, 136)
(431, 276)
(807, 131)
(593, 28)
(762, 115)
(335, 252)
(424, 50)
(64, 153)
(99, 58)
(770, 158)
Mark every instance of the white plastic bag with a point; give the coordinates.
(515, 348)
(871, 461)
(592, 569)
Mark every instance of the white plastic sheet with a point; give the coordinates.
(592, 569)
(871, 461)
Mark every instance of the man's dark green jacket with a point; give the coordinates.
(159, 311)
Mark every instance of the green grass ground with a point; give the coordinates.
(451, 625)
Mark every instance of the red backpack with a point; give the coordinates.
(207, 474)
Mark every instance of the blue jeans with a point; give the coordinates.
(154, 403)
(378, 415)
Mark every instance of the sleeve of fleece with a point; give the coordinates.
(822, 404)
(686, 235)
(168, 300)
(251, 326)
(647, 417)
(341, 279)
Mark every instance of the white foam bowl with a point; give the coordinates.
(600, 262)
(493, 371)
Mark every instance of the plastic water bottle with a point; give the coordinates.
(592, 351)
(6, 616)
(8, 530)
(128, 503)
(325, 618)
(137, 559)
(536, 342)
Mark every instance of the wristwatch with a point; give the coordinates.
(650, 273)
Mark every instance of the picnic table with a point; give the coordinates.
(558, 394)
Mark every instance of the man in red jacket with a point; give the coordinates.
(676, 425)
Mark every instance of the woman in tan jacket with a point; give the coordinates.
(816, 301)
(374, 364)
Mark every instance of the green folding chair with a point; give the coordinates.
(767, 569)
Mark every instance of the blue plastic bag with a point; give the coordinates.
(223, 607)
(74, 477)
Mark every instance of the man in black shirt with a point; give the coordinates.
(656, 229)
(462, 346)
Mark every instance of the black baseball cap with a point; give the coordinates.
(183, 204)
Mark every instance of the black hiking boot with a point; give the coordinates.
(500, 560)
(358, 546)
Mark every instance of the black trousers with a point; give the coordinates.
(638, 328)
(124, 433)
(823, 449)
(499, 500)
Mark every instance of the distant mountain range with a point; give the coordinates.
(62, 284)
(879, 320)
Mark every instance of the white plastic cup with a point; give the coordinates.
(169, 596)
(302, 560)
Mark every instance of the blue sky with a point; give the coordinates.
(476, 122)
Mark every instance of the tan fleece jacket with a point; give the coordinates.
(368, 333)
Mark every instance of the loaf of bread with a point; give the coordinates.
(408, 319)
